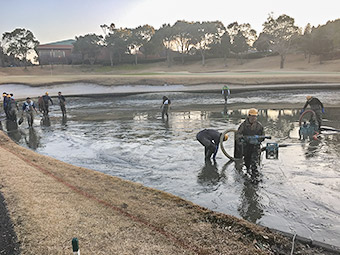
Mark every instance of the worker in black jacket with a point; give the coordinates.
(316, 105)
(248, 150)
(210, 139)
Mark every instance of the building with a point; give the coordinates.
(56, 53)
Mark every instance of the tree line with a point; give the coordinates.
(189, 40)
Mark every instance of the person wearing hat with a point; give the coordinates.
(12, 107)
(45, 100)
(210, 139)
(316, 105)
(28, 107)
(5, 103)
(243, 149)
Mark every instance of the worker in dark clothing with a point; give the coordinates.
(245, 149)
(46, 98)
(165, 107)
(5, 103)
(62, 103)
(225, 93)
(316, 105)
(210, 139)
(12, 107)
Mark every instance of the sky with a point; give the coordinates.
(56, 20)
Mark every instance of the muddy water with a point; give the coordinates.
(126, 137)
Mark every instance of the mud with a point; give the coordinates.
(125, 137)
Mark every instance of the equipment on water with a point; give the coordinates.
(254, 139)
(308, 130)
(272, 151)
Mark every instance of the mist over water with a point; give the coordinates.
(126, 137)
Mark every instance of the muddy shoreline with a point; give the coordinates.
(50, 202)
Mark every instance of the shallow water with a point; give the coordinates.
(126, 137)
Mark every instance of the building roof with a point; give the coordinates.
(65, 44)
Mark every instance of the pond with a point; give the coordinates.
(125, 136)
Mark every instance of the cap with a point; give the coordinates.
(252, 112)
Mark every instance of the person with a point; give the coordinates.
(165, 107)
(316, 105)
(40, 104)
(28, 107)
(62, 103)
(225, 93)
(45, 100)
(243, 148)
(210, 139)
(5, 103)
(12, 107)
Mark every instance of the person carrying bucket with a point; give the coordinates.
(315, 105)
(210, 139)
(248, 149)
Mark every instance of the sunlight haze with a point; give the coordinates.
(63, 19)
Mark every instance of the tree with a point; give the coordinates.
(239, 44)
(182, 37)
(165, 36)
(205, 34)
(88, 46)
(140, 36)
(321, 43)
(118, 42)
(262, 43)
(19, 43)
(235, 29)
(280, 33)
(108, 30)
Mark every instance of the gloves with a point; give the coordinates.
(302, 111)
(323, 110)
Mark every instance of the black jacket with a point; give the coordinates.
(315, 104)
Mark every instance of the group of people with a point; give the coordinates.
(246, 150)
(11, 108)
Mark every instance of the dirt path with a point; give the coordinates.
(50, 202)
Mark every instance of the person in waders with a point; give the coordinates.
(62, 103)
(12, 108)
(210, 139)
(248, 150)
(28, 107)
(165, 107)
(316, 105)
(5, 103)
(45, 101)
(225, 93)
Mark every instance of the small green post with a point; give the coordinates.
(75, 246)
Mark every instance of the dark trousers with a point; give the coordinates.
(209, 146)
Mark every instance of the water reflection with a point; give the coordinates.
(64, 120)
(45, 121)
(209, 176)
(13, 131)
(33, 139)
(250, 207)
